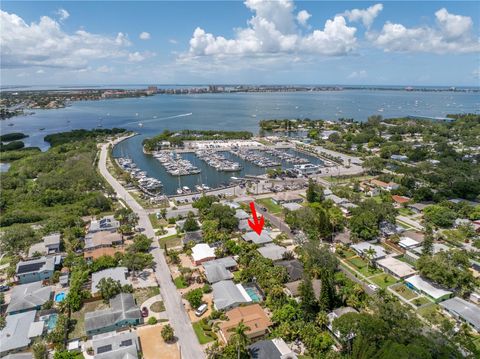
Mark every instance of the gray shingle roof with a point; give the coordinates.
(117, 273)
(272, 251)
(216, 272)
(196, 236)
(15, 334)
(257, 239)
(469, 312)
(115, 345)
(241, 214)
(28, 296)
(294, 269)
(226, 294)
(122, 307)
(264, 349)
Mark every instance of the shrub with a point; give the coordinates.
(152, 321)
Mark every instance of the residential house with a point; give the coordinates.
(389, 229)
(287, 197)
(337, 313)
(218, 269)
(292, 206)
(243, 225)
(117, 273)
(241, 214)
(390, 186)
(261, 239)
(399, 200)
(49, 245)
(107, 223)
(227, 295)
(435, 292)
(181, 212)
(415, 235)
(418, 207)
(401, 158)
(271, 349)
(272, 251)
(292, 289)
(362, 247)
(102, 239)
(36, 269)
(464, 311)
(30, 296)
(123, 312)
(335, 199)
(294, 269)
(123, 345)
(436, 248)
(253, 316)
(195, 237)
(408, 243)
(14, 336)
(396, 267)
(202, 252)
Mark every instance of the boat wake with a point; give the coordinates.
(163, 118)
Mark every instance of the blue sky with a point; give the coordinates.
(252, 41)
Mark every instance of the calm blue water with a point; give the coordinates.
(239, 111)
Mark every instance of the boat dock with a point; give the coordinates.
(218, 161)
(175, 165)
(255, 158)
(147, 184)
(287, 157)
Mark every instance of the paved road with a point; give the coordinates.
(275, 221)
(189, 346)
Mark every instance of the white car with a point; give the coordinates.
(373, 287)
(201, 309)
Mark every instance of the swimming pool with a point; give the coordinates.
(253, 293)
(59, 297)
(50, 321)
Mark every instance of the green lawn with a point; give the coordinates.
(142, 294)
(431, 313)
(405, 292)
(157, 307)
(405, 211)
(421, 301)
(156, 223)
(180, 282)
(271, 206)
(203, 338)
(171, 241)
(361, 266)
(384, 280)
(78, 318)
(346, 253)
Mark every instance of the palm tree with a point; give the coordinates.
(322, 319)
(370, 253)
(239, 337)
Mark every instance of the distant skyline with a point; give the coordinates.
(431, 43)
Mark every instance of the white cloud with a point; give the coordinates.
(366, 16)
(453, 33)
(173, 41)
(44, 43)
(361, 74)
(63, 14)
(136, 57)
(303, 16)
(144, 36)
(273, 31)
(104, 69)
(40, 71)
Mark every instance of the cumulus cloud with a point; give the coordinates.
(365, 16)
(303, 16)
(144, 36)
(272, 31)
(44, 43)
(63, 14)
(453, 33)
(136, 57)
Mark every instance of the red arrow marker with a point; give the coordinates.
(258, 225)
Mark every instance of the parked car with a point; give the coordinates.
(373, 287)
(201, 310)
(144, 312)
(4, 288)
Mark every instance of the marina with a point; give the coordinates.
(254, 157)
(218, 161)
(287, 157)
(175, 164)
(147, 184)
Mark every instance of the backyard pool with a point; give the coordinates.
(254, 294)
(50, 321)
(59, 297)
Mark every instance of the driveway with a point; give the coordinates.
(190, 348)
